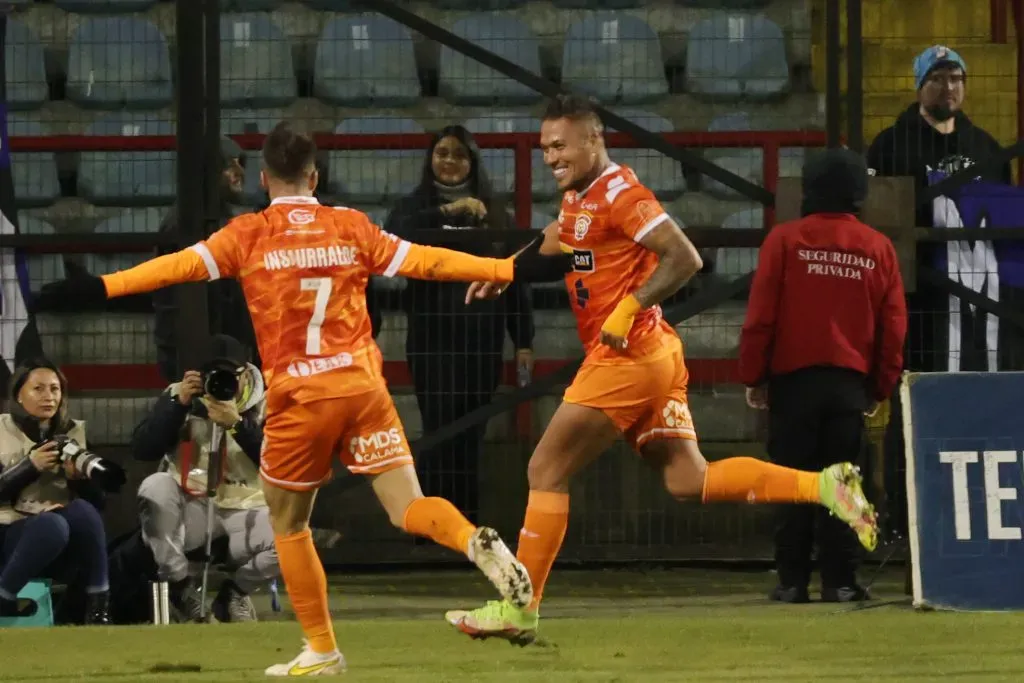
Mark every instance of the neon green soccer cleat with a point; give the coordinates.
(843, 494)
(497, 619)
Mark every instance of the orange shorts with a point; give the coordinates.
(645, 398)
(301, 440)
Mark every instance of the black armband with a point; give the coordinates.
(16, 477)
(532, 266)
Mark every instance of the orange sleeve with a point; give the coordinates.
(390, 256)
(181, 266)
(635, 211)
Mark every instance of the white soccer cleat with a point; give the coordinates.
(490, 554)
(310, 663)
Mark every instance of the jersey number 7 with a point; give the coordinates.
(322, 286)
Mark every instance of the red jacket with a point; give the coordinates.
(827, 291)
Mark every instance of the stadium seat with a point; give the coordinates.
(479, 5)
(42, 268)
(615, 57)
(132, 220)
(747, 162)
(590, 4)
(499, 164)
(375, 176)
(36, 182)
(540, 219)
(116, 62)
(16, 5)
(25, 67)
(466, 81)
(662, 174)
(365, 60)
(735, 262)
(237, 121)
(104, 6)
(256, 67)
(128, 178)
(737, 56)
(728, 4)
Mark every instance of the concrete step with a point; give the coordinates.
(720, 415)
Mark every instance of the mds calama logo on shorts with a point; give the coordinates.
(677, 415)
(582, 226)
(376, 446)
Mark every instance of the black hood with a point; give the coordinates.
(911, 118)
(834, 181)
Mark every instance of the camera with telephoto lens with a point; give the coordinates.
(108, 475)
(220, 381)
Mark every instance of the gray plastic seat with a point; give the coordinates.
(42, 268)
(467, 81)
(128, 178)
(36, 182)
(25, 67)
(736, 262)
(256, 67)
(615, 57)
(366, 60)
(748, 162)
(500, 164)
(132, 220)
(375, 176)
(116, 62)
(661, 174)
(104, 6)
(238, 121)
(737, 56)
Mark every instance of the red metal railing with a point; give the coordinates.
(146, 377)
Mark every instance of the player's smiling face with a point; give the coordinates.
(570, 149)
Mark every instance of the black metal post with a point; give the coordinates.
(833, 53)
(192, 328)
(854, 77)
(211, 57)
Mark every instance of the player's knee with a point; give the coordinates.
(545, 474)
(683, 470)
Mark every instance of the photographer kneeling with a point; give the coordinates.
(50, 491)
(173, 500)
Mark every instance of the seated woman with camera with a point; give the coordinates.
(51, 490)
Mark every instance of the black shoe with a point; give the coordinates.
(232, 605)
(22, 607)
(186, 600)
(852, 593)
(97, 609)
(792, 594)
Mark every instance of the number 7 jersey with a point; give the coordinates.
(304, 269)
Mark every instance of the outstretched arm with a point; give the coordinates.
(187, 265)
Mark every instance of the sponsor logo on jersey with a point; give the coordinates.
(582, 226)
(301, 216)
(310, 257)
(582, 260)
(676, 415)
(589, 206)
(367, 449)
(306, 367)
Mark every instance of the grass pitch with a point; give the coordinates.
(606, 626)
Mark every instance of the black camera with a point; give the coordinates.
(220, 381)
(108, 475)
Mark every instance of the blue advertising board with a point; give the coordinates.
(965, 486)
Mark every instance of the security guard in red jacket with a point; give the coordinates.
(822, 345)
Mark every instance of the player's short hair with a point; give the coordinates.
(288, 153)
(573, 107)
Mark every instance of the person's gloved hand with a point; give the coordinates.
(532, 266)
(80, 289)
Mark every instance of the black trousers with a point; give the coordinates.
(448, 385)
(816, 419)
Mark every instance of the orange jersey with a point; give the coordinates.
(602, 228)
(304, 270)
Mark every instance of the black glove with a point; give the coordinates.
(532, 266)
(80, 289)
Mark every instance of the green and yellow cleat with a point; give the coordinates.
(842, 493)
(496, 619)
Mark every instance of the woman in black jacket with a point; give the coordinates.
(454, 351)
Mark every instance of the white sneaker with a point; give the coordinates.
(310, 663)
(490, 554)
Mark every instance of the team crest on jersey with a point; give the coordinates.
(301, 217)
(647, 211)
(582, 226)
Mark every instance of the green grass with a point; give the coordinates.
(609, 626)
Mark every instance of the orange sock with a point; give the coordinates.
(755, 481)
(440, 521)
(540, 539)
(306, 582)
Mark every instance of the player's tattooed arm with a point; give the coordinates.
(678, 261)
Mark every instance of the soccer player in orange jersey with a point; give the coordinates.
(304, 270)
(627, 256)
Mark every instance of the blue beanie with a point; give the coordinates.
(937, 55)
